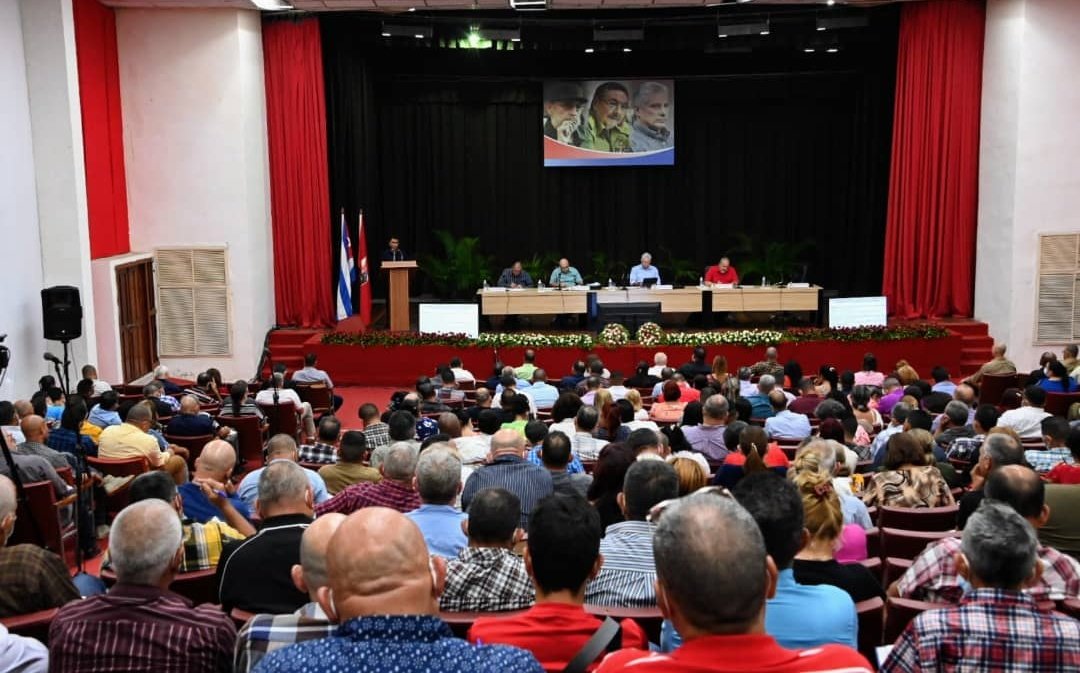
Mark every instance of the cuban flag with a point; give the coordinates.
(346, 273)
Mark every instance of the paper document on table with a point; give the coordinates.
(724, 286)
(663, 287)
(494, 289)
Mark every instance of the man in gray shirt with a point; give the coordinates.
(555, 454)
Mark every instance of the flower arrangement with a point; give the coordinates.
(650, 334)
(613, 335)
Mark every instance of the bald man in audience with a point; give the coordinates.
(131, 440)
(213, 468)
(509, 469)
(256, 574)
(32, 578)
(395, 490)
(280, 447)
(384, 592)
(140, 625)
(265, 633)
(189, 422)
(997, 366)
(36, 433)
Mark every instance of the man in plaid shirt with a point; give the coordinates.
(395, 490)
(376, 432)
(487, 576)
(997, 626)
(324, 450)
(936, 575)
(1055, 430)
(265, 633)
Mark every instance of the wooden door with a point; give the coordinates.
(137, 318)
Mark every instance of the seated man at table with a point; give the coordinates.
(645, 272)
(514, 276)
(565, 275)
(722, 274)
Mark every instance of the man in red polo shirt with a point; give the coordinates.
(722, 274)
(714, 595)
(563, 554)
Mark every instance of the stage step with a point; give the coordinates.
(976, 345)
(287, 347)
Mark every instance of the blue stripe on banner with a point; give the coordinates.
(665, 158)
(344, 298)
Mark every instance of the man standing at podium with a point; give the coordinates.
(394, 253)
(644, 271)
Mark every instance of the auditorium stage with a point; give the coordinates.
(960, 351)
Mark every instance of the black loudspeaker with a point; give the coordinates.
(61, 313)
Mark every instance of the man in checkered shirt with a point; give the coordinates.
(936, 575)
(997, 626)
(324, 450)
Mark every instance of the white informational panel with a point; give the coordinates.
(857, 312)
(450, 318)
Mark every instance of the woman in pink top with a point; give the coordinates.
(869, 376)
(671, 409)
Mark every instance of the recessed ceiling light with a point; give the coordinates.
(809, 50)
(589, 50)
(832, 50)
(626, 49)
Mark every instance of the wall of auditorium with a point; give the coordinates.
(1029, 159)
(20, 267)
(194, 112)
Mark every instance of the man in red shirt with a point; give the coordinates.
(714, 595)
(722, 273)
(563, 554)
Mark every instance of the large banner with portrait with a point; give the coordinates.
(609, 122)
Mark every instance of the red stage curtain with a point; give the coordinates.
(102, 127)
(299, 192)
(929, 268)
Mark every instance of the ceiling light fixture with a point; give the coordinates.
(511, 34)
(528, 5)
(836, 22)
(626, 50)
(741, 29)
(618, 34)
(589, 50)
(271, 5)
(402, 30)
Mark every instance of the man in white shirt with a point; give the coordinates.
(617, 389)
(460, 373)
(1027, 420)
(746, 388)
(474, 449)
(785, 423)
(310, 375)
(583, 443)
(287, 396)
(542, 393)
(90, 372)
(659, 362)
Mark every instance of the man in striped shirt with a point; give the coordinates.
(628, 577)
(510, 470)
(139, 624)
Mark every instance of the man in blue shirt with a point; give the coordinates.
(514, 276)
(215, 465)
(785, 423)
(438, 481)
(760, 405)
(565, 275)
(384, 591)
(644, 271)
(542, 393)
(104, 412)
(776, 505)
(510, 470)
(280, 447)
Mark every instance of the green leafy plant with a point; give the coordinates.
(604, 267)
(540, 265)
(678, 269)
(776, 261)
(461, 269)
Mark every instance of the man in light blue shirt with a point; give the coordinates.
(776, 505)
(642, 272)
(542, 392)
(761, 407)
(438, 481)
(942, 384)
(785, 423)
(104, 412)
(565, 275)
(896, 424)
(280, 447)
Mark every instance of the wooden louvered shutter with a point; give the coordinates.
(193, 302)
(1058, 317)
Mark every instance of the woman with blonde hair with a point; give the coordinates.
(719, 373)
(905, 373)
(693, 473)
(823, 519)
(633, 396)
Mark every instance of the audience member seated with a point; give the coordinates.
(1002, 447)
(125, 628)
(1027, 420)
(325, 448)
(571, 381)
(277, 393)
(935, 576)
(760, 406)
(190, 422)
(75, 435)
(608, 477)
(584, 445)
(753, 454)
(35, 430)
(104, 412)
(517, 410)
(239, 404)
(997, 626)
(402, 426)
(349, 468)
(953, 425)
(816, 562)
(696, 365)
(32, 578)
(929, 446)
(1057, 379)
(628, 576)
(280, 448)
(967, 448)
(203, 542)
(383, 590)
(130, 439)
(561, 556)
(777, 507)
(868, 375)
(164, 405)
(22, 653)
(460, 373)
(487, 576)
(670, 408)
(1055, 430)
(475, 448)
(448, 390)
(722, 597)
(256, 575)
(555, 455)
(438, 483)
(784, 422)
(1068, 471)
(892, 394)
(807, 400)
(213, 476)
(100, 387)
(395, 490)
(509, 469)
(310, 375)
(205, 390)
(907, 481)
(376, 433)
(708, 438)
(543, 394)
(770, 365)
(643, 378)
(528, 366)
(691, 469)
(265, 633)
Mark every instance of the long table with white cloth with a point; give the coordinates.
(498, 301)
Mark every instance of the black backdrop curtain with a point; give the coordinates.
(783, 147)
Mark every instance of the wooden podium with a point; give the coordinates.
(399, 293)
